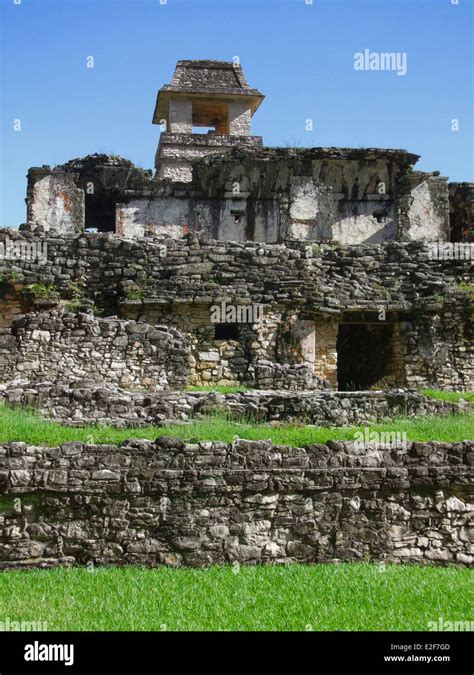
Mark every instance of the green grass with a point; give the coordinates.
(467, 288)
(451, 396)
(357, 596)
(295, 597)
(19, 425)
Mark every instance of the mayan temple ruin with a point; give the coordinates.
(333, 285)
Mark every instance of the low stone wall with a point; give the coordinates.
(81, 404)
(179, 503)
(63, 347)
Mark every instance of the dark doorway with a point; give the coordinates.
(100, 210)
(367, 356)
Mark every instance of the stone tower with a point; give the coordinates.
(207, 94)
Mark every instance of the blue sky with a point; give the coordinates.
(300, 55)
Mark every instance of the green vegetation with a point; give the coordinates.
(451, 396)
(76, 288)
(137, 291)
(78, 296)
(41, 291)
(323, 597)
(20, 425)
(467, 288)
(7, 276)
(134, 293)
(96, 311)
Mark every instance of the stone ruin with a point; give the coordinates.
(334, 283)
(225, 184)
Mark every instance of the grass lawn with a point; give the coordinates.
(452, 396)
(324, 597)
(351, 597)
(19, 425)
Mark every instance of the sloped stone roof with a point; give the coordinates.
(206, 78)
(216, 76)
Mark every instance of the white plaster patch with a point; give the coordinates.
(57, 204)
(426, 222)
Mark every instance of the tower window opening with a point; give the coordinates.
(210, 118)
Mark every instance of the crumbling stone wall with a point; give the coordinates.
(212, 362)
(299, 377)
(439, 349)
(62, 347)
(81, 194)
(80, 403)
(319, 194)
(178, 151)
(178, 503)
(256, 356)
(12, 306)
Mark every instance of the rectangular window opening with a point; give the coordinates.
(210, 117)
(226, 331)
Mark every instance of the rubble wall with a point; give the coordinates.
(65, 347)
(175, 282)
(178, 503)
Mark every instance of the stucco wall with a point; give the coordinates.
(163, 216)
(429, 211)
(181, 116)
(231, 188)
(56, 203)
